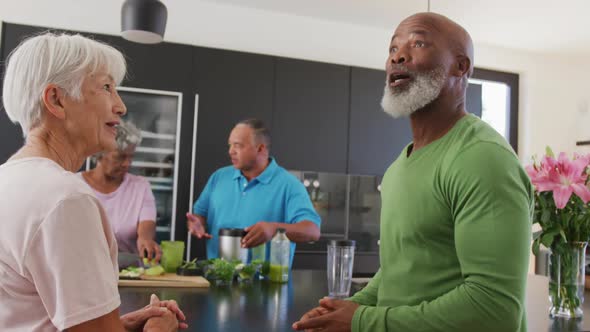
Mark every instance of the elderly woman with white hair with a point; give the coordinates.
(128, 199)
(58, 254)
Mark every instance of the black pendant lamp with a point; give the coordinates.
(143, 21)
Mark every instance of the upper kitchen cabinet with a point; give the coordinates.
(10, 133)
(163, 66)
(376, 139)
(310, 120)
(231, 86)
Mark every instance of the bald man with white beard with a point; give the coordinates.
(456, 204)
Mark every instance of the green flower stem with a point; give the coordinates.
(566, 285)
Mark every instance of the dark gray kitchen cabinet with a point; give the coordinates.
(310, 120)
(11, 135)
(376, 139)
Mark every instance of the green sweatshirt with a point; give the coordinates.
(455, 238)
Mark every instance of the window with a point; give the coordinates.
(499, 102)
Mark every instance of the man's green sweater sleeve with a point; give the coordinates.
(368, 295)
(490, 198)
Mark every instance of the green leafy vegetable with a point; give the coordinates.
(189, 265)
(131, 272)
(155, 270)
(149, 262)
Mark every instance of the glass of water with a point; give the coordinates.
(340, 263)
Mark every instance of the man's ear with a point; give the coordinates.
(463, 65)
(53, 98)
(261, 147)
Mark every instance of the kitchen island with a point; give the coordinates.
(265, 306)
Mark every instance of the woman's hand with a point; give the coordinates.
(171, 306)
(149, 249)
(134, 321)
(156, 316)
(164, 323)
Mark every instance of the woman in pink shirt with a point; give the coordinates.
(126, 198)
(58, 253)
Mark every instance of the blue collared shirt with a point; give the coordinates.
(230, 201)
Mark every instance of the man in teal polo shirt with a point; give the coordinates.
(255, 193)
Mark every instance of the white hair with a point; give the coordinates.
(127, 135)
(423, 90)
(61, 59)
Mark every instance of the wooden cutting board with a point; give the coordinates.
(166, 280)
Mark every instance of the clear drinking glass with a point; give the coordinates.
(258, 253)
(340, 263)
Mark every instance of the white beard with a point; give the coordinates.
(423, 90)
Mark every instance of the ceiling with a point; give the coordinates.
(530, 25)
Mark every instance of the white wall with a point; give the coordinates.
(552, 88)
(553, 97)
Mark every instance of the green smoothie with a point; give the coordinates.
(278, 273)
(172, 253)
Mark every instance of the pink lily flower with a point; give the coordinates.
(539, 174)
(563, 177)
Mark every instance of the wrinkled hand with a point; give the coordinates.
(196, 227)
(164, 323)
(170, 305)
(337, 317)
(149, 249)
(135, 320)
(258, 234)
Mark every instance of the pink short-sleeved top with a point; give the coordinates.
(131, 203)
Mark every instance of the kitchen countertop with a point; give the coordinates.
(264, 306)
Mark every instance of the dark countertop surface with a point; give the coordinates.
(265, 306)
(260, 306)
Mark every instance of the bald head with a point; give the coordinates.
(457, 38)
(430, 60)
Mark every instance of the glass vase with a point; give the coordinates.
(566, 280)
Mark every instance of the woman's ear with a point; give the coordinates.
(53, 97)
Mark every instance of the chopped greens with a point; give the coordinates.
(189, 265)
(155, 271)
(247, 271)
(132, 272)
